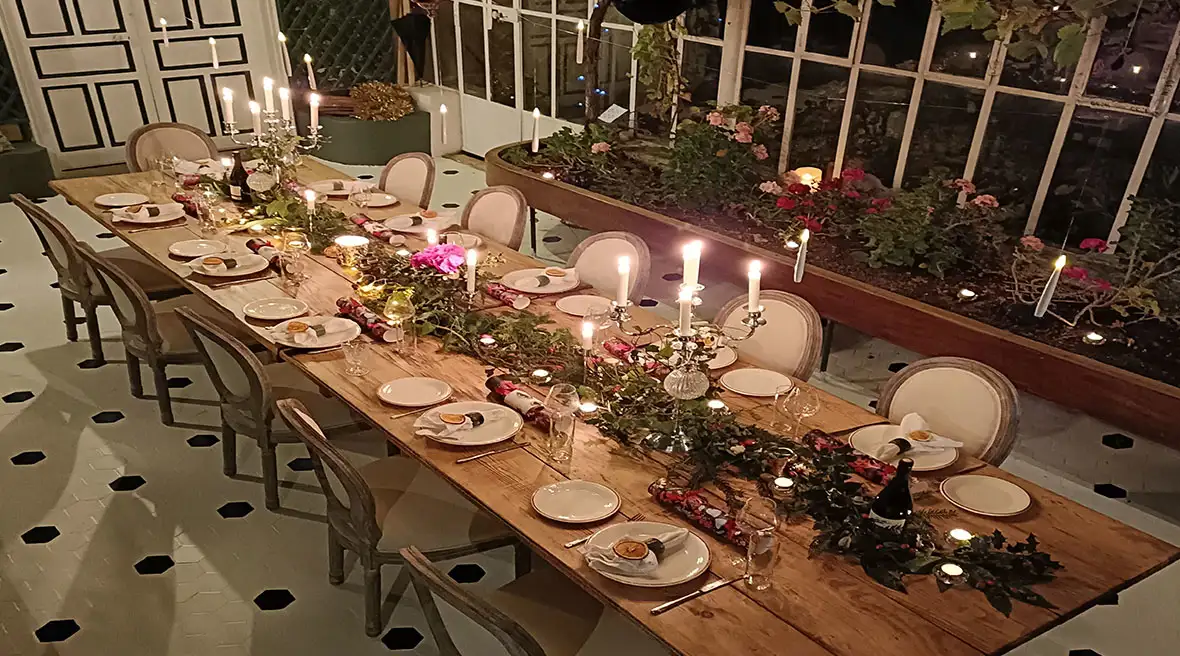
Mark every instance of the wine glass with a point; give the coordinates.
(758, 520)
(361, 195)
(796, 404)
(399, 310)
(561, 404)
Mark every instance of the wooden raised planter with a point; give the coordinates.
(1136, 403)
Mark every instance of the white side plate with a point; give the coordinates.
(120, 200)
(576, 502)
(382, 199)
(754, 382)
(414, 392)
(503, 427)
(526, 280)
(275, 309)
(986, 495)
(196, 248)
(868, 439)
(579, 305)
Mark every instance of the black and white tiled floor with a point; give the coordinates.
(121, 536)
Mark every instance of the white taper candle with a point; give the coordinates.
(753, 302)
(227, 104)
(286, 55)
(685, 300)
(256, 114)
(431, 236)
(587, 335)
(285, 102)
(213, 53)
(442, 110)
(692, 263)
(536, 129)
(624, 287)
(581, 41)
(309, 195)
(472, 258)
(801, 254)
(268, 93)
(314, 101)
(310, 72)
(164, 28)
(1050, 287)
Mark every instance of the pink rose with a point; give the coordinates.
(1077, 273)
(1094, 244)
(760, 152)
(771, 187)
(600, 147)
(715, 119)
(446, 258)
(1032, 242)
(984, 200)
(743, 137)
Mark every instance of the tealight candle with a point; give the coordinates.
(1094, 338)
(536, 129)
(967, 295)
(783, 483)
(472, 257)
(809, 175)
(588, 407)
(581, 51)
(692, 263)
(950, 573)
(310, 73)
(164, 28)
(959, 535)
(487, 340)
(587, 335)
(213, 52)
(256, 114)
(309, 196)
(268, 94)
(227, 163)
(716, 404)
(541, 375)
(227, 105)
(1050, 287)
(801, 256)
(350, 248)
(685, 300)
(548, 175)
(753, 303)
(402, 252)
(286, 55)
(285, 102)
(623, 290)
(431, 237)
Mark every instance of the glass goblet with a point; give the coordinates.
(399, 310)
(758, 519)
(562, 405)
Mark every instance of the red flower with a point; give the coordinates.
(852, 193)
(1094, 244)
(853, 174)
(833, 183)
(749, 442)
(785, 203)
(883, 203)
(1102, 284)
(871, 210)
(832, 207)
(799, 188)
(812, 224)
(809, 203)
(1077, 273)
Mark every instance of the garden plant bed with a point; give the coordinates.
(1131, 386)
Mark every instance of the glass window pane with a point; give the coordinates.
(830, 32)
(708, 20)
(471, 41)
(961, 52)
(942, 131)
(571, 88)
(819, 106)
(1091, 176)
(574, 8)
(1163, 172)
(896, 33)
(769, 28)
(1127, 68)
(878, 121)
(701, 67)
(613, 16)
(614, 68)
(538, 5)
(537, 39)
(1036, 72)
(502, 57)
(444, 34)
(766, 81)
(1015, 147)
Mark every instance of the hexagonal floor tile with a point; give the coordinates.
(179, 382)
(6, 306)
(1111, 599)
(300, 464)
(107, 417)
(3, 271)
(551, 239)
(648, 302)
(466, 573)
(1083, 652)
(127, 483)
(9, 347)
(1110, 490)
(274, 599)
(450, 206)
(17, 397)
(57, 630)
(154, 565)
(54, 285)
(40, 535)
(673, 277)
(235, 509)
(28, 458)
(105, 235)
(897, 366)
(90, 364)
(401, 638)
(1118, 441)
(202, 440)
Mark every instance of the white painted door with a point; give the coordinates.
(92, 71)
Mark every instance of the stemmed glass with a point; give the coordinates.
(562, 406)
(399, 310)
(758, 519)
(361, 195)
(793, 404)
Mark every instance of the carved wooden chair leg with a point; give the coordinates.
(94, 335)
(229, 450)
(335, 558)
(163, 396)
(270, 470)
(373, 623)
(70, 318)
(135, 376)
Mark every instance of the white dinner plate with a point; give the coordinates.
(579, 305)
(196, 248)
(576, 502)
(120, 200)
(280, 335)
(464, 239)
(275, 309)
(416, 392)
(526, 280)
(754, 382)
(382, 199)
(725, 357)
(414, 224)
(676, 566)
(248, 263)
(328, 187)
(170, 212)
(868, 439)
(985, 495)
(503, 427)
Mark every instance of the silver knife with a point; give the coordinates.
(573, 543)
(703, 590)
(489, 453)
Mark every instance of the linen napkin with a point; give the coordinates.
(607, 558)
(320, 332)
(543, 280)
(141, 213)
(908, 442)
(432, 425)
(185, 167)
(220, 263)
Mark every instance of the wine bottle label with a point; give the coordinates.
(235, 192)
(886, 523)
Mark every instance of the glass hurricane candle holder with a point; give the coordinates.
(352, 247)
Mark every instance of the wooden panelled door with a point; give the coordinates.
(92, 71)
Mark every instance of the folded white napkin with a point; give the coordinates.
(606, 556)
(147, 212)
(226, 262)
(431, 425)
(319, 332)
(537, 284)
(185, 167)
(909, 424)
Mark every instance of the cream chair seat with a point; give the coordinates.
(790, 341)
(597, 262)
(497, 213)
(410, 178)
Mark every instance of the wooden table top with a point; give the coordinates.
(825, 605)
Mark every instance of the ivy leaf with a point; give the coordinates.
(890, 578)
(848, 9)
(1030, 597)
(1025, 47)
(998, 599)
(952, 21)
(984, 16)
(1070, 40)
(794, 16)
(921, 564)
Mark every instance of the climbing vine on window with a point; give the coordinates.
(659, 68)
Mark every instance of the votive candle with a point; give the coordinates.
(310, 72)
(753, 303)
(685, 300)
(256, 114)
(801, 255)
(213, 52)
(1050, 287)
(692, 263)
(268, 93)
(227, 104)
(624, 281)
(472, 258)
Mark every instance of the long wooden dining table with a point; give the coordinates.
(816, 605)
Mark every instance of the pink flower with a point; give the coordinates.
(871, 210)
(760, 152)
(744, 127)
(883, 203)
(786, 203)
(769, 113)
(984, 200)
(743, 137)
(852, 193)
(1094, 244)
(1077, 273)
(1032, 242)
(963, 185)
(446, 258)
(1102, 284)
(600, 147)
(812, 224)
(771, 187)
(853, 174)
(716, 118)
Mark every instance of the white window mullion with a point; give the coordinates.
(1165, 90)
(737, 21)
(487, 59)
(632, 115)
(857, 51)
(553, 60)
(784, 157)
(434, 55)
(518, 56)
(995, 67)
(1080, 79)
(911, 117)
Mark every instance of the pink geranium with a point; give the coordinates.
(771, 187)
(852, 193)
(799, 188)
(743, 137)
(1094, 244)
(760, 152)
(883, 203)
(853, 175)
(1032, 242)
(716, 118)
(786, 203)
(1101, 284)
(769, 113)
(446, 258)
(964, 185)
(985, 200)
(1077, 273)
(600, 147)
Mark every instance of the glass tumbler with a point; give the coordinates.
(562, 406)
(356, 353)
(758, 519)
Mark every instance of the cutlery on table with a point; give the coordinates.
(163, 227)
(409, 413)
(699, 592)
(231, 283)
(490, 453)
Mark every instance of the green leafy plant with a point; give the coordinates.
(718, 153)
(659, 68)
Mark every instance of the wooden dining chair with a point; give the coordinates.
(78, 283)
(410, 178)
(157, 139)
(596, 261)
(497, 213)
(789, 342)
(382, 507)
(962, 399)
(540, 614)
(247, 390)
